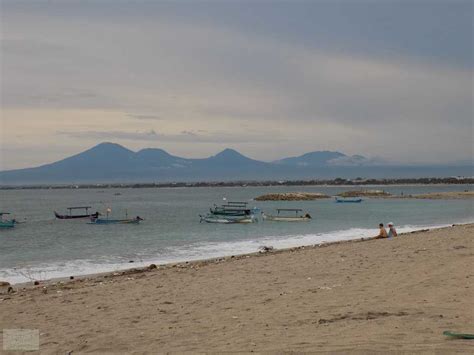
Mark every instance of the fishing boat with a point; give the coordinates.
(70, 214)
(231, 212)
(348, 199)
(210, 218)
(286, 215)
(6, 223)
(233, 208)
(135, 220)
(107, 220)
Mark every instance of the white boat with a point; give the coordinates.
(210, 218)
(282, 215)
(231, 212)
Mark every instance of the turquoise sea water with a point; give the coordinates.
(44, 247)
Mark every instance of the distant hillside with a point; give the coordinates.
(311, 159)
(159, 158)
(328, 158)
(113, 162)
(110, 162)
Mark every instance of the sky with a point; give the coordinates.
(271, 79)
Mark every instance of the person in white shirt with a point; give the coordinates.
(392, 232)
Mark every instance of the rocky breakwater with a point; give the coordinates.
(365, 193)
(292, 196)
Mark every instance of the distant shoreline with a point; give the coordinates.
(264, 183)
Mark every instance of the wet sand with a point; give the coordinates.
(361, 296)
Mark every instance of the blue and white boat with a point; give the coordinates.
(135, 220)
(6, 223)
(107, 220)
(348, 199)
(286, 215)
(231, 212)
(210, 218)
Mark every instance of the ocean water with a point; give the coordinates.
(43, 247)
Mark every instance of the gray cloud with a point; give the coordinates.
(434, 31)
(144, 117)
(388, 79)
(152, 136)
(149, 135)
(29, 46)
(60, 98)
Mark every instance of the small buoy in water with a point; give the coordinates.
(71, 277)
(131, 261)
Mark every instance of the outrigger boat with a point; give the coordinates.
(76, 216)
(6, 223)
(233, 208)
(227, 220)
(348, 199)
(283, 215)
(231, 212)
(135, 220)
(96, 220)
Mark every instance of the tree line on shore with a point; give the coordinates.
(263, 183)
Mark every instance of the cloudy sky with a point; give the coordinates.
(391, 79)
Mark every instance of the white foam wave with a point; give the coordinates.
(197, 251)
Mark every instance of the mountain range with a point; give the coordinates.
(110, 162)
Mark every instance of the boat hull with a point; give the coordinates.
(114, 221)
(356, 200)
(244, 213)
(224, 220)
(80, 216)
(286, 219)
(223, 214)
(7, 224)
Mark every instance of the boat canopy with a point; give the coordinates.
(227, 207)
(86, 208)
(237, 204)
(232, 206)
(296, 210)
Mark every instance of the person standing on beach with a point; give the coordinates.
(382, 232)
(392, 232)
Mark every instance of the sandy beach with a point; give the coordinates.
(361, 296)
